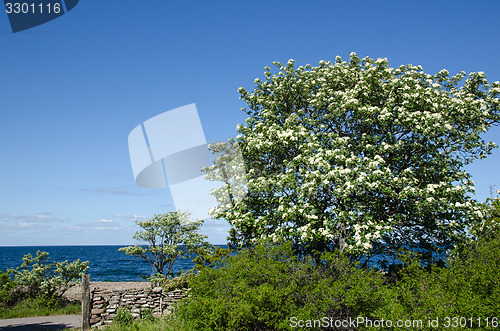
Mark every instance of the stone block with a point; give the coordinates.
(95, 319)
(97, 311)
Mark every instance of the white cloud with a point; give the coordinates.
(40, 217)
(113, 191)
(131, 217)
(20, 225)
(105, 228)
(105, 221)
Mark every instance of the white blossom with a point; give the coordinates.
(330, 157)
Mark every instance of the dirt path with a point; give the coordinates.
(65, 321)
(42, 323)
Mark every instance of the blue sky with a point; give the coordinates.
(73, 89)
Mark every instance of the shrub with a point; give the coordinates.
(171, 283)
(208, 258)
(38, 307)
(468, 287)
(263, 287)
(38, 276)
(147, 314)
(123, 317)
(179, 282)
(164, 323)
(8, 295)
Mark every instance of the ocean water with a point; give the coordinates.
(106, 262)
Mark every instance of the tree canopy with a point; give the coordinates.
(168, 236)
(362, 157)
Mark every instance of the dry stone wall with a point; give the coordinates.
(105, 302)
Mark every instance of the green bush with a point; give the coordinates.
(40, 283)
(164, 323)
(171, 283)
(123, 317)
(147, 315)
(39, 278)
(179, 282)
(208, 258)
(468, 287)
(264, 287)
(8, 293)
(29, 307)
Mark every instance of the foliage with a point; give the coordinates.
(171, 283)
(469, 287)
(482, 230)
(266, 286)
(179, 282)
(165, 323)
(362, 157)
(496, 209)
(147, 314)
(35, 287)
(8, 293)
(30, 307)
(209, 258)
(40, 279)
(169, 236)
(261, 288)
(491, 223)
(123, 317)
(228, 168)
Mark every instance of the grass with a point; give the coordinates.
(165, 323)
(34, 307)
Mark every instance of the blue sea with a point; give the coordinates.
(106, 262)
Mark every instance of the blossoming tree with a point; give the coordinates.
(361, 157)
(169, 237)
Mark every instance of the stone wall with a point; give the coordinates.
(105, 302)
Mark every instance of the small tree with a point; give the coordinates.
(168, 236)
